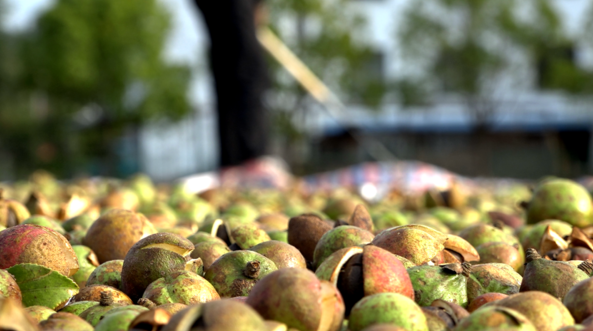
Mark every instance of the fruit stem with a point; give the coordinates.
(532, 255)
(587, 267)
(106, 298)
(467, 268)
(252, 269)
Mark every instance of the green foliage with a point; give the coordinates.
(467, 47)
(105, 56)
(41, 286)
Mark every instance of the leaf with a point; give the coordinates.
(42, 286)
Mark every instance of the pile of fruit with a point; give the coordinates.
(105, 254)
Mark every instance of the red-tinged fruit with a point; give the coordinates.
(35, 244)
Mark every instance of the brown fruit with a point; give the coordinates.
(209, 252)
(279, 297)
(152, 258)
(115, 232)
(304, 232)
(14, 317)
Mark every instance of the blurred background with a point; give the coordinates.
(482, 88)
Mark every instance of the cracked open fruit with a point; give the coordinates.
(152, 258)
(362, 271)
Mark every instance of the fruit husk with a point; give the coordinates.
(115, 232)
(304, 232)
(180, 287)
(579, 239)
(436, 282)
(14, 317)
(543, 310)
(107, 273)
(228, 273)
(217, 316)
(496, 318)
(8, 286)
(389, 308)
(282, 254)
(551, 241)
(319, 307)
(27, 243)
(152, 258)
(361, 218)
(553, 277)
(151, 320)
(65, 322)
(492, 277)
(249, 235)
(578, 300)
(39, 313)
(413, 244)
(11, 212)
(532, 238)
(209, 252)
(383, 272)
(338, 238)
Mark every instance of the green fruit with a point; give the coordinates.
(439, 282)
(119, 321)
(180, 287)
(492, 278)
(249, 235)
(388, 308)
(553, 277)
(561, 199)
(279, 236)
(82, 222)
(338, 238)
(77, 308)
(235, 273)
(108, 273)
